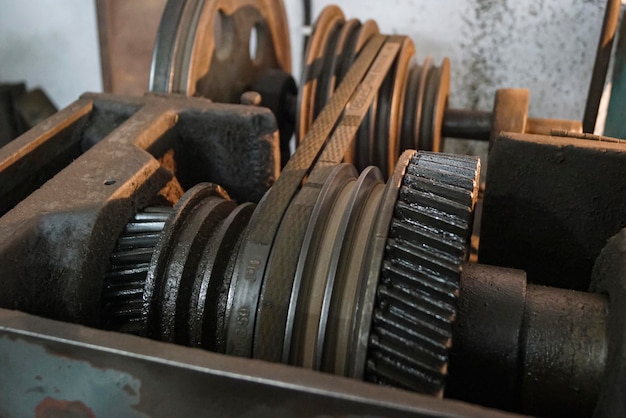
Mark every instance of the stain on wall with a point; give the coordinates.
(547, 46)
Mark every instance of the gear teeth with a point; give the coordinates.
(125, 280)
(419, 281)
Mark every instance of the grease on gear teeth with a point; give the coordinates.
(125, 279)
(419, 281)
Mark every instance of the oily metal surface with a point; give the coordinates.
(307, 294)
(280, 273)
(207, 303)
(370, 274)
(110, 150)
(122, 297)
(158, 319)
(415, 304)
(252, 259)
(175, 292)
(510, 112)
(218, 48)
(274, 299)
(278, 279)
(340, 297)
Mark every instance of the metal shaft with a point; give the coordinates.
(527, 348)
(467, 124)
(478, 124)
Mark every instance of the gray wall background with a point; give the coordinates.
(547, 46)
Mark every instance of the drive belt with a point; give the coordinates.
(341, 118)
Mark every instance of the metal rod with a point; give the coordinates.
(466, 124)
(541, 350)
(603, 57)
(477, 125)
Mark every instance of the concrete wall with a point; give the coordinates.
(51, 44)
(545, 45)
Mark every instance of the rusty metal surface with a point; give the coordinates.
(217, 48)
(571, 191)
(51, 366)
(510, 111)
(60, 220)
(127, 32)
(20, 110)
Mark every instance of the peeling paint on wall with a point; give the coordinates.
(50, 387)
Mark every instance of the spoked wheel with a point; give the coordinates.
(219, 48)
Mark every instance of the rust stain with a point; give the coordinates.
(56, 408)
(129, 390)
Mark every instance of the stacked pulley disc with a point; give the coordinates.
(362, 283)
(408, 112)
(219, 48)
(332, 270)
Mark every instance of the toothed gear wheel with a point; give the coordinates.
(124, 281)
(416, 297)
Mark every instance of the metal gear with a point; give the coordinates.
(419, 281)
(129, 264)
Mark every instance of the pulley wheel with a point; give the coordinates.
(218, 48)
(326, 28)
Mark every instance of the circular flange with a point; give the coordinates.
(307, 294)
(365, 136)
(278, 281)
(413, 106)
(400, 75)
(312, 66)
(207, 303)
(159, 306)
(218, 48)
(374, 258)
(436, 94)
(325, 81)
(344, 271)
